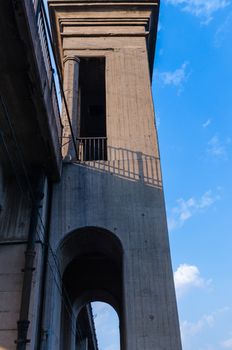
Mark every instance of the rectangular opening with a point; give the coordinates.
(92, 144)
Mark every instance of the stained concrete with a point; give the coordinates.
(123, 195)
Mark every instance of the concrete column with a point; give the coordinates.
(70, 85)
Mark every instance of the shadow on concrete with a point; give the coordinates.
(130, 165)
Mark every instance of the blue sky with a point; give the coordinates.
(192, 89)
(193, 99)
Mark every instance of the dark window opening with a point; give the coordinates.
(92, 115)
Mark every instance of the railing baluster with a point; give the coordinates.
(93, 148)
(85, 146)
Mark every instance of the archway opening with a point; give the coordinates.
(106, 323)
(91, 261)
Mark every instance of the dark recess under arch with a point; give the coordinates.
(91, 261)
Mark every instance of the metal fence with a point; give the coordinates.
(92, 148)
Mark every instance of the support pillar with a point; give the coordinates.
(71, 86)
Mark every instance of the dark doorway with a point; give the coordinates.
(92, 118)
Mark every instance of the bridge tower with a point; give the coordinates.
(108, 224)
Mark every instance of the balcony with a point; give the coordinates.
(91, 148)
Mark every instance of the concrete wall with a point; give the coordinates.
(124, 195)
(11, 277)
(11, 280)
(14, 226)
(134, 211)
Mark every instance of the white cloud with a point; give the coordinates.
(206, 123)
(227, 344)
(175, 78)
(187, 277)
(216, 148)
(223, 32)
(195, 331)
(185, 209)
(189, 329)
(203, 9)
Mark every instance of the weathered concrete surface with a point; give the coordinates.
(103, 19)
(11, 263)
(134, 211)
(15, 214)
(11, 279)
(124, 194)
(15, 218)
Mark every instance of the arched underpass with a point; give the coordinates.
(91, 260)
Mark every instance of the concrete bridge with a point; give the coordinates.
(82, 210)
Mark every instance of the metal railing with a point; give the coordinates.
(44, 45)
(92, 148)
(49, 63)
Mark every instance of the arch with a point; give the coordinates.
(95, 295)
(77, 242)
(106, 325)
(91, 261)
